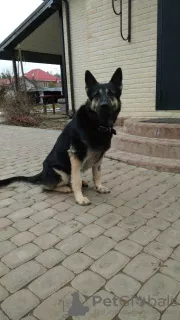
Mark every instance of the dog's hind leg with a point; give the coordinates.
(63, 185)
(77, 181)
(96, 170)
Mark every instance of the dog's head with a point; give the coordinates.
(104, 98)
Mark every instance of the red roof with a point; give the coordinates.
(40, 75)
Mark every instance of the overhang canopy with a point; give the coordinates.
(39, 36)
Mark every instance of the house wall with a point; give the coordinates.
(98, 46)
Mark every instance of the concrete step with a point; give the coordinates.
(152, 163)
(152, 147)
(153, 130)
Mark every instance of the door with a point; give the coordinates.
(168, 56)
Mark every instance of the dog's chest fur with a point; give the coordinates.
(92, 158)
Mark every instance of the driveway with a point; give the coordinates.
(118, 258)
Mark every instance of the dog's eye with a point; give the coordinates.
(95, 95)
(111, 93)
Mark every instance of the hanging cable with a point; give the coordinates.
(120, 13)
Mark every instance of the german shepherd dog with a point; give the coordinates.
(83, 142)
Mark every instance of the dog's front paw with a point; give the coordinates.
(102, 189)
(83, 201)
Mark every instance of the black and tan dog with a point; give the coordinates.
(83, 142)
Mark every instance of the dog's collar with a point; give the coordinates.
(107, 129)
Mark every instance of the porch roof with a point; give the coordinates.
(39, 36)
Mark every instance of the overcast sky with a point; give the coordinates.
(12, 13)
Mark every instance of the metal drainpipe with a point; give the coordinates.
(69, 53)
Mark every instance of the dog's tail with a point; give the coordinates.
(37, 179)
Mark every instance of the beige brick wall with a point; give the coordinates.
(98, 46)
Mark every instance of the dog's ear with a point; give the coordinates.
(90, 80)
(117, 78)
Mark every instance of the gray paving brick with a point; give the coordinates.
(77, 209)
(123, 286)
(73, 243)
(170, 214)
(99, 246)
(171, 268)
(158, 249)
(24, 224)
(159, 288)
(51, 281)
(176, 224)
(64, 217)
(146, 213)
(88, 283)
(39, 206)
(144, 235)
(57, 306)
(124, 211)
(3, 316)
(19, 304)
(65, 230)
(171, 236)
(44, 227)
(3, 269)
(6, 247)
(109, 220)
(61, 206)
(158, 224)
(109, 264)
(136, 311)
(5, 212)
(46, 241)
(101, 210)
(3, 293)
(129, 248)
(142, 267)
(44, 215)
(116, 233)
(21, 214)
(92, 230)
(21, 255)
(19, 277)
(23, 238)
(101, 307)
(86, 218)
(176, 254)
(4, 222)
(132, 222)
(29, 318)
(7, 233)
(50, 258)
(77, 262)
(6, 202)
(173, 312)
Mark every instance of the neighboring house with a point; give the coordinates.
(86, 34)
(43, 79)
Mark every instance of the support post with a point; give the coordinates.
(15, 71)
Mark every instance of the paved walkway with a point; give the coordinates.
(120, 255)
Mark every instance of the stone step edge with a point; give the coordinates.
(152, 163)
(121, 135)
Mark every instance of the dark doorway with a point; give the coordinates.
(168, 56)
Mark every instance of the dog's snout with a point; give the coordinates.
(104, 104)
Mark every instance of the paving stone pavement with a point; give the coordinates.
(119, 256)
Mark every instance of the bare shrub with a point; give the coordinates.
(18, 109)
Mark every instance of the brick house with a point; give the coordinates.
(86, 34)
(42, 78)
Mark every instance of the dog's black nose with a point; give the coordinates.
(103, 104)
